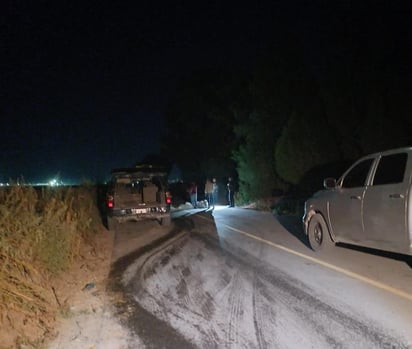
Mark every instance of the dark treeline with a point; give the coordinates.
(318, 99)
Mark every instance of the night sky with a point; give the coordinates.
(84, 84)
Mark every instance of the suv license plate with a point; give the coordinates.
(138, 210)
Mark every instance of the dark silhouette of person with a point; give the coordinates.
(230, 192)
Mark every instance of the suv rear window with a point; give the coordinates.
(391, 169)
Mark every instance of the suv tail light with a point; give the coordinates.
(110, 201)
(168, 198)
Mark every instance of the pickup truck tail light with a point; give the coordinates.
(168, 198)
(110, 201)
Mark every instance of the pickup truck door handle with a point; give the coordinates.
(396, 196)
(355, 197)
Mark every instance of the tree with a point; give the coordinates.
(306, 143)
(254, 157)
(280, 84)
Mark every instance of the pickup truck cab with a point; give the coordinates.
(370, 205)
(138, 193)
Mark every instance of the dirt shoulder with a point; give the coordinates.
(90, 318)
(86, 319)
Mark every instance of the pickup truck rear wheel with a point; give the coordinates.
(166, 220)
(111, 223)
(318, 233)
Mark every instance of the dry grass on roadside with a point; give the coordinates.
(41, 233)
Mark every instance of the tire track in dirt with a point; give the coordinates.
(235, 311)
(188, 288)
(258, 317)
(136, 268)
(182, 287)
(208, 305)
(210, 340)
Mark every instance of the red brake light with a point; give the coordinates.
(110, 202)
(168, 198)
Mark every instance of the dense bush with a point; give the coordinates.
(41, 231)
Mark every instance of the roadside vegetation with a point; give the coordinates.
(43, 231)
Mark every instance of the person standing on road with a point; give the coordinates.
(209, 193)
(230, 192)
(214, 192)
(193, 194)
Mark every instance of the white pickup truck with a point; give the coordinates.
(370, 205)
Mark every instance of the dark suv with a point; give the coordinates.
(138, 193)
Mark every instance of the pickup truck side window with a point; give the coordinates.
(391, 169)
(357, 176)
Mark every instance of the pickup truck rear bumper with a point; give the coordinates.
(155, 212)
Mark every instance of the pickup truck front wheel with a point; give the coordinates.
(318, 233)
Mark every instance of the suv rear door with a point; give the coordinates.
(384, 212)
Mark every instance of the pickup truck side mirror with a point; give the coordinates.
(329, 183)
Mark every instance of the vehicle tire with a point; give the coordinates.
(111, 223)
(166, 220)
(318, 233)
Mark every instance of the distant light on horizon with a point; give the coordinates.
(53, 182)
